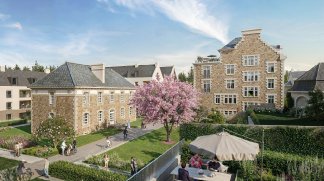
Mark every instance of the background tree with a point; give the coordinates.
(52, 68)
(289, 102)
(201, 113)
(38, 68)
(286, 76)
(182, 77)
(26, 68)
(169, 102)
(55, 130)
(316, 104)
(190, 77)
(215, 117)
(16, 67)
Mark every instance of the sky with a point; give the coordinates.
(171, 32)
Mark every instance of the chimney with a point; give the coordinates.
(2, 68)
(47, 71)
(99, 71)
(136, 65)
(251, 32)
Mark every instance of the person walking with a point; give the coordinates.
(133, 166)
(63, 146)
(125, 132)
(46, 165)
(108, 142)
(106, 161)
(74, 144)
(16, 147)
(20, 146)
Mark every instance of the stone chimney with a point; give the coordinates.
(251, 32)
(2, 68)
(47, 71)
(99, 71)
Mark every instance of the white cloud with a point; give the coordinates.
(194, 14)
(3, 17)
(16, 25)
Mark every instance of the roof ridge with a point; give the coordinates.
(67, 65)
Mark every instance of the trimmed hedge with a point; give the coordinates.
(69, 171)
(295, 140)
(13, 123)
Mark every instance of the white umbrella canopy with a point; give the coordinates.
(225, 146)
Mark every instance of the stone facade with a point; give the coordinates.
(70, 105)
(249, 45)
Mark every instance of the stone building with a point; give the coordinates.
(89, 96)
(248, 72)
(15, 96)
(140, 74)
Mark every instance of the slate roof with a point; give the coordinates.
(166, 70)
(135, 71)
(23, 77)
(232, 44)
(70, 75)
(311, 80)
(293, 75)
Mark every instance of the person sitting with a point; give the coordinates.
(68, 151)
(196, 161)
(214, 164)
(183, 174)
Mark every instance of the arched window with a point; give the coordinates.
(112, 116)
(100, 116)
(122, 112)
(86, 118)
(50, 115)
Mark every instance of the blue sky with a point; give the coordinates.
(119, 32)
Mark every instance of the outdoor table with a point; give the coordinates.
(193, 173)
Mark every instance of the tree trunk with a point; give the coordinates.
(168, 136)
(168, 129)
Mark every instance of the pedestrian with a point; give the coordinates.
(46, 165)
(125, 132)
(74, 143)
(16, 148)
(20, 146)
(21, 169)
(63, 146)
(108, 142)
(68, 151)
(133, 166)
(106, 160)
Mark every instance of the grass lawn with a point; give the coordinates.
(283, 119)
(86, 139)
(23, 131)
(145, 149)
(137, 123)
(12, 122)
(7, 163)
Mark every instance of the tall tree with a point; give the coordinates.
(16, 67)
(52, 68)
(182, 77)
(38, 68)
(286, 76)
(169, 102)
(316, 103)
(25, 68)
(190, 77)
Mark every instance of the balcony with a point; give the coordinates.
(24, 104)
(24, 93)
(208, 59)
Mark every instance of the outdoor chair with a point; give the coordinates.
(222, 168)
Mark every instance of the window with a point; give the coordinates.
(250, 91)
(229, 113)
(270, 67)
(206, 84)
(99, 97)
(112, 116)
(229, 99)
(13, 80)
(112, 97)
(8, 105)
(86, 98)
(206, 71)
(247, 104)
(250, 76)
(270, 99)
(122, 97)
(86, 118)
(270, 83)
(122, 112)
(100, 116)
(8, 94)
(250, 60)
(230, 69)
(50, 115)
(51, 98)
(8, 116)
(217, 99)
(130, 111)
(230, 84)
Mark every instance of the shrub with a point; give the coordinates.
(10, 142)
(69, 171)
(13, 123)
(214, 117)
(39, 151)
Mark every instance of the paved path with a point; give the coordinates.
(250, 122)
(11, 155)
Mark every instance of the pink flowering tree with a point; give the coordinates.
(169, 102)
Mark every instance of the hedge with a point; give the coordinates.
(13, 123)
(69, 171)
(295, 140)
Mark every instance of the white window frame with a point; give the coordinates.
(247, 89)
(100, 116)
(112, 97)
(51, 98)
(206, 71)
(86, 119)
(249, 103)
(231, 99)
(250, 60)
(229, 68)
(217, 99)
(251, 76)
(274, 98)
(268, 66)
(274, 83)
(229, 83)
(204, 82)
(99, 96)
(122, 112)
(112, 116)
(122, 96)
(86, 98)
(130, 110)
(229, 113)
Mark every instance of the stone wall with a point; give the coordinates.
(249, 45)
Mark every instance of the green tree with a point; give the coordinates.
(316, 104)
(38, 68)
(289, 102)
(52, 68)
(286, 76)
(25, 68)
(190, 77)
(16, 67)
(55, 130)
(215, 117)
(182, 77)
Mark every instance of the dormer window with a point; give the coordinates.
(32, 80)
(13, 80)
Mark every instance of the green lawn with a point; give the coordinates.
(23, 131)
(137, 123)
(86, 139)
(283, 119)
(145, 149)
(7, 163)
